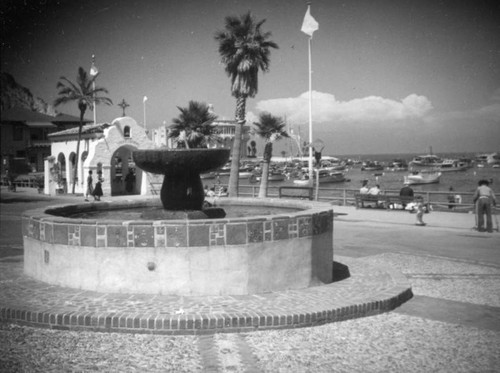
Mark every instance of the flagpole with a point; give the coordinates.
(311, 176)
(310, 25)
(144, 103)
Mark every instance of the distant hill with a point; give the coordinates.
(15, 95)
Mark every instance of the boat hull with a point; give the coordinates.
(423, 178)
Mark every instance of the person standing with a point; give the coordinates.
(98, 188)
(90, 186)
(420, 208)
(451, 198)
(483, 199)
(130, 181)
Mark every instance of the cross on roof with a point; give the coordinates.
(123, 105)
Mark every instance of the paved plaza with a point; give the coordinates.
(359, 324)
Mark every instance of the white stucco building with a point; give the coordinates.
(104, 148)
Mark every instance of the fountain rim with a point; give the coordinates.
(303, 208)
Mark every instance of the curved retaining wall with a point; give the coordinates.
(183, 257)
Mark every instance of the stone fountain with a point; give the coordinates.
(178, 251)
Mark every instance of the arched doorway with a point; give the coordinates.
(61, 169)
(121, 165)
(72, 164)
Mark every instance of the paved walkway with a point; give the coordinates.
(368, 290)
(451, 324)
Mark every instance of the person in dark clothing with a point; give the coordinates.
(98, 187)
(406, 194)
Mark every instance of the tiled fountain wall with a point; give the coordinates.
(190, 257)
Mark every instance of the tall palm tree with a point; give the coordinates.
(244, 49)
(271, 129)
(195, 123)
(86, 95)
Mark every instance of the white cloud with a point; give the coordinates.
(326, 108)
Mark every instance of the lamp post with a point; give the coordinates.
(93, 74)
(144, 104)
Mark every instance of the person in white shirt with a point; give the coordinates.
(364, 189)
(374, 191)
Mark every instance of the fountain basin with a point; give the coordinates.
(231, 256)
(182, 188)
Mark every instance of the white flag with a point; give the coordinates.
(309, 25)
(144, 99)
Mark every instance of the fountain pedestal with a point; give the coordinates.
(182, 193)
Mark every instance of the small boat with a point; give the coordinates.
(225, 170)
(429, 160)
(245, 171)
(450, 165)
(423, 178)
(208, 175)
(397, 165)
(372, 166)
(272, 176)
(325, 176)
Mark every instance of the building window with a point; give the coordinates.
(126, 132)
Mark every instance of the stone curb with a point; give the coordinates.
(368, 291)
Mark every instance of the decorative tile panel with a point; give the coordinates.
(160, 236)
(236, 234)
(61, 234)
(304, 226)
(88, 235)
(255, 231)
(280, 229)
(176, 236)
(48, 232)
(268, 230)
(144, 236)
(199, 235)
(74, 235)
(217, 235)
(101, 236)
(117, 236)
(293, 230)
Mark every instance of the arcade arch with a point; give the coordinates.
(120, 164)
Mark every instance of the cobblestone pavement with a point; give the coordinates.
(450, 325)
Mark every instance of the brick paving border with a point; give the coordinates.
(368, 291)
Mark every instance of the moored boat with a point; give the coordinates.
(208, 175)
(423, 178)
(372, 166)
(325, 176)
(451, 165)
(429, 160)
(397, 165)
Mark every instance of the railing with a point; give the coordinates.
(335, 196)
(345, 197)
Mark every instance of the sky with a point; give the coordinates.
(387, 76)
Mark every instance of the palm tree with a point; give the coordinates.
(194, 126)
(86, 94)
(244, 49)
(271, 129)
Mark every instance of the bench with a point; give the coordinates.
(296, 192)
(382, 201)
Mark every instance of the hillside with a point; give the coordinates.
(15, 95)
